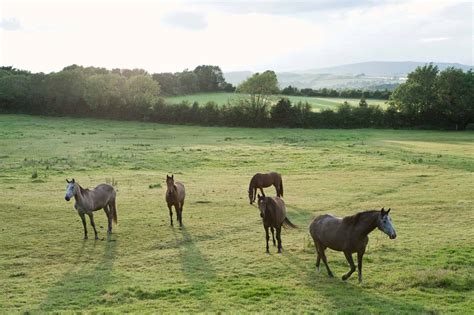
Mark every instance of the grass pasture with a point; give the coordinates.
(217, 262)
(317, 103)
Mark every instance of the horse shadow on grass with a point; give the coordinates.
(83, 286)
(300, 216)
(197, 270)
(348, 297)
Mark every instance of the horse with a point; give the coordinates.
(175, 197)
(273, 214)
(348, 235)
(88, 201)
(263, 181)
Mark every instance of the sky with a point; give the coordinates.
(170, 36)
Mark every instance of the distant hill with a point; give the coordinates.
(382, 68)
(365, 75)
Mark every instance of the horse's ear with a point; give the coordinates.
(172, 176)
(382, 211)
(388, 210)
(67, 181)
(73, 181)
(167, 176)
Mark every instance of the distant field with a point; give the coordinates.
(217, 263)
(318, 103)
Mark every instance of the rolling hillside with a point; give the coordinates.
(371, 75)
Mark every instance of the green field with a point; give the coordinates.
(218, 261)
(318, 103)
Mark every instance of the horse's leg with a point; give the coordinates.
(108, 212)
(267, 237)
(171, 214)
(254, 194)
(91, 217)
(83, 218)
(261, 190)
(360, 254)
(318, 257)
(179, 212)
(325, 261)
(348, 255)
(277, 190)
(273, 235)
(278, 230)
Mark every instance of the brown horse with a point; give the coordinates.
(88, 201)
(273, 214)
(263, 181)
(348, 235)
(175, 197)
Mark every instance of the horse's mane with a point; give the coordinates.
(252, 181)
(82, 189)
(354, 219)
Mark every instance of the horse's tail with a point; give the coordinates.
(287, 224)
(114, 212)
(281, 187)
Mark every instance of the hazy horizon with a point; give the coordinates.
(237, 36)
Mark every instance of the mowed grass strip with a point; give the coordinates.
(317, 103)
(218, 261)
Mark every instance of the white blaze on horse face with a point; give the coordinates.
(387, 227)
(69, 191)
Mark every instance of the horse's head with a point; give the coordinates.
(262, 205)
(385, 224)
(71, 189)
(170, 182)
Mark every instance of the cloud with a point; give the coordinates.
(10, 24)
(185, 19)
(285, 7)
(433, 39)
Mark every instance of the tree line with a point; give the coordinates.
(345, 93)
(429, 99)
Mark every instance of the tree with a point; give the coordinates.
(363, 102)
(456, 96)
(65, 91)
(187, 82)
(142, 93)
(209, 78)
(105, 92)
(168, 83)
(282, 114)
(417, 96)
(260, 86)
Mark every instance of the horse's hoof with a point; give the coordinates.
(85, 237)
(344, 278)
(331, 275)
(96, 238)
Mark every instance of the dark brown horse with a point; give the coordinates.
(263, 181)
(348, 235)
(273, 214)
(175, 197)
(88, 201)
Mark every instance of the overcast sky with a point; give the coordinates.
(170, 36)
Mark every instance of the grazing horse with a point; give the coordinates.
(263, 181)
(88, 201)
(273, 214)
(348, 235)
(175, 197)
